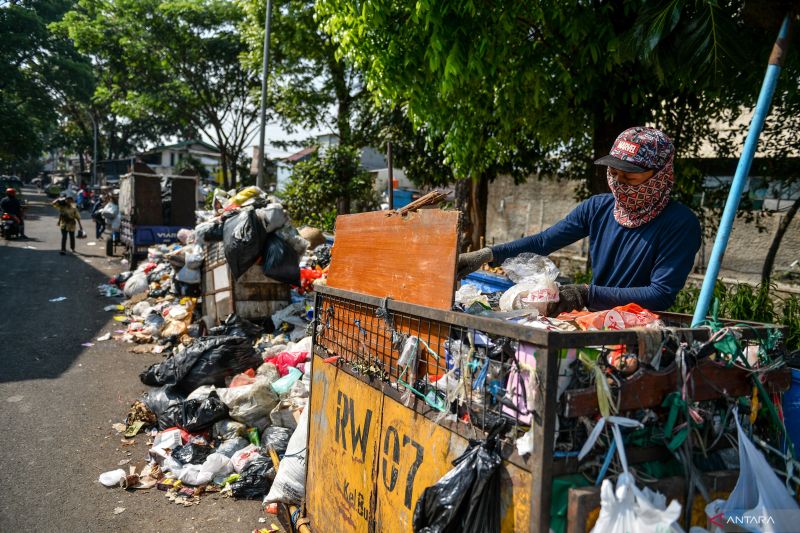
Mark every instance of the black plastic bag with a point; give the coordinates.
(277, 438)
(244, 237)
(206, 362)
(254, 481)
(281, 261)
(238, 327)
(194, 415)
(160, 400)
(195, 454)
(323, 254)
(467, 498)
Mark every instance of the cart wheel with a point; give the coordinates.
(110, 247)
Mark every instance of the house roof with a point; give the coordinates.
(298, 156)
(183, 144)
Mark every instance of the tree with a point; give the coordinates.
(546, 86)
(176, 62)
(310, 85)
(40, 73)
(315, 186)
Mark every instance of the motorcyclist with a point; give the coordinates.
(11, 205)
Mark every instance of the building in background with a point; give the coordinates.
(167, 158)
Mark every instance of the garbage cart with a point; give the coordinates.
(378, 436)
(153, 209)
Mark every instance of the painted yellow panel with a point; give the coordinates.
(344, 432)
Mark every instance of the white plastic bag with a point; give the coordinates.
(535, 278)
(628, 509)
(136, 284)
(290, 482)
(469, 294)
(250, 404)
(760, 500)
(215, 465)
(244, 457)
(112, 478)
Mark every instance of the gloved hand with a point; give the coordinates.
(472, 261)
(570, 298)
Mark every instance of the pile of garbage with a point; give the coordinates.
(227, 403)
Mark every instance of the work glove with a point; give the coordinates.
(570, 298)
(472, 261)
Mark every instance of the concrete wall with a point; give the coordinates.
(517, 210)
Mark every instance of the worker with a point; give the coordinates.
(642, 244)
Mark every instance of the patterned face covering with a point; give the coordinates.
(635, 205)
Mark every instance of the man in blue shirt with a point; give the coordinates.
(642, 244)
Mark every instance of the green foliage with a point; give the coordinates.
(747, 302)
(176, 61)
(320, 186)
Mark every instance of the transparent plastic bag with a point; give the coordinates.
(535, 279)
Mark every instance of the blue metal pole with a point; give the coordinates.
(742, 170)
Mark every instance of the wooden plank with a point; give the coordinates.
(649, 388)
(409, 258)
(341, 468)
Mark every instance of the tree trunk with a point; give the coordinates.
(769, 261)
(225, 170)
(471, 196)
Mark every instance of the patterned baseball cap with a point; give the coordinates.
(639, 149)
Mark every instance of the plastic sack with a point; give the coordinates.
(208, 232)
(621, 317)
(293, 238)
(188, 275)
(194, 256)
(246, 194)
(194, 415)
(244, 457)
(192, 453)
(253, 482)
(535, 279)
(206, 362)
(112, 478)
(244, 239)
(287, 412)
(250, 404)
(283, 385)
(468, 294)
(281, 261)
(758, 494)
(272, 217)
(215, 466)
(467, 498)
(285, 360)
(276, 438)
(229, 447)
(201, 392)
(136, 284)
(236, 326)
(629, 509)
(228, 429)
(248, 377)
(161, 399)
(289, 485)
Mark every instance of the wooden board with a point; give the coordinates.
(184, 202)
(409, 258)
(374, 485)
(649, 388)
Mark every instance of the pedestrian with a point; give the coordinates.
(68, 218)
(642, 244)
(99, 221)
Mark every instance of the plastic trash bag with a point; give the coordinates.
(281, 261)
(468, 294)
(244, 238)
(188, 275)
(201, 392)
(195, 415)
(161, 399)
(236, 326)
(535, 279)
(272, 217)
(758, 494)
(112, 478)
(467, 498)
(253, 482)
(229, 447)
(244, 457)
(250, 404)
(283, 385)
(629, 509)
(290, 482)
(192, 453)
(284, 360)
(206, 362)
(136, 284)
(215, 466)
(228, 429)
(209, 232)
(276, 438)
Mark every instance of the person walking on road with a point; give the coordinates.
(99, 221)
(68, 218)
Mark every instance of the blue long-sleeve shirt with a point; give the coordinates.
(647, 265)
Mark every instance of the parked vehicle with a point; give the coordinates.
(9, 226)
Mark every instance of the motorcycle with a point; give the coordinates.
(9, 226)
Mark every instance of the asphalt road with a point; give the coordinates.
(58, 399)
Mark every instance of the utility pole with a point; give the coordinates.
(390, 174)
(263, 111)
